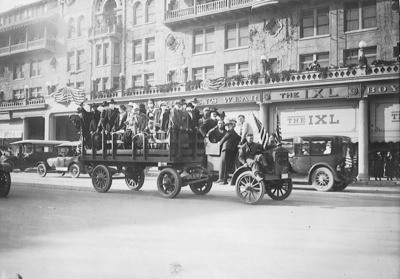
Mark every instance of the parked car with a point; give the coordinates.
(68, 160)
(5, 179)
(27, 153)
(325, 162)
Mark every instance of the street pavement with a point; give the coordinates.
(59, 227)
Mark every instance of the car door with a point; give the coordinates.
(300, 159)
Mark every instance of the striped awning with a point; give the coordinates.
(261, 3)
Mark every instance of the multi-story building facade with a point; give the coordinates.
(136, 50)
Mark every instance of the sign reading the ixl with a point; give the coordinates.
(311, 93)
(322, 119)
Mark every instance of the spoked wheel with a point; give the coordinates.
(202, 188)
(169, 183)
(322, 179)
(248, 189)
(101, 178)
(340, 186)
(279, 190)
(5, 183)
(134, 178)
(74, 170)
(41, 170)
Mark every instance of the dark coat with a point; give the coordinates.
(164, 119)
(117, 126)
(230, 141)
(215, 135)
(111, 115)
(94, 122)
(249, 151)
(177, 119)
(207, 125)
(378, 166)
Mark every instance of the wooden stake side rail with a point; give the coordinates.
(180, 148)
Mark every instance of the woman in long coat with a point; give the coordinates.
(378, 166)
(389, 166)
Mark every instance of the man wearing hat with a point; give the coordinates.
(95, 118)
(207, 124)
(84, 118)
(251, 153)
(102, 121)
(229, 146)
(111, 116)
(195, 110)
(164, 117)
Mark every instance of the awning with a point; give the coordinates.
(385, 119)
(261, 3)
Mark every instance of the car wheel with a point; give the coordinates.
(249, 189)
(5, 183)
(322, 179)
(74, 170)
(41, 170)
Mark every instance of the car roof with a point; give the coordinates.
(40, 142)
(69, 143)
(319, 137)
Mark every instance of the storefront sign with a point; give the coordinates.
(385, 120)
(381, 89)
(311, 94)
(231, 99)
(326, 120)
(11, 134)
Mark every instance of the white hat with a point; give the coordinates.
(131, 104)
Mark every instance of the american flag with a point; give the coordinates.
(213, 84)
(263, 133)
(278, 129)
(66, 95)
(348, 161)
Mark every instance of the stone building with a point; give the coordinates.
(259, 52)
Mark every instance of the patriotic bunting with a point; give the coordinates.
(263, 133)
(213, 84)
(66, 95)
(278, 130)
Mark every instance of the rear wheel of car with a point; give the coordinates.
(74, 170)
(322, 179)
(5, 183)
(42, 170)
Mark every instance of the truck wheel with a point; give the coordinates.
(101, 178)
(248, 189)
(134, 178)
(169, 183)
(5, 183)
(280, 190)
(340, 186)
(202, 188)
(322, 179)
(74, 170)
(41, 170)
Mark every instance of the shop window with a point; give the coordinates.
(36, 68)
(137, 81)
(360, 15)
(150, 11)
(117, 54)
(81, 63)
(150, 48)
(314, 22)
(203, 40)
(137, 13)
(351, 55)
(149, 79)
(106, 54)
(70, 61)
(322, 59)
(137, 51)
(81, 26)
(237, 69)
(237, 35)
(71, 28)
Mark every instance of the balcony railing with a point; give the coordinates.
(105, 30)
(44, 43)
(21, 103)
(207, 8)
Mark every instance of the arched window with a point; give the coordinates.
(137, 14)
(81, 26)
(150, 11)
(71, 28)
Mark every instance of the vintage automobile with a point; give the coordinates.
(68, 160)
(325, 162)
(30, 152)
(5, 179)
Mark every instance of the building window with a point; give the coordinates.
(19, 94)
(137, 14)
(150, 11)
(105, 83)
(237, 69)
(81, 26)
(203, 73)
(237, 35)
(18, 70)
(36, 68)
(80, 85)
(81, 63)
(314, 22)
(106, 54)
(36, 92)
(396, 50)
(137, 51)
(98, 55)
(71, 28)
(360, 15)
(70, 61)
(137, 81)
(115, 83)
(117, 54)
(149, 79)
(150, 49)
(351, 55)
(172, 76)
(203, 40)
(321, 58)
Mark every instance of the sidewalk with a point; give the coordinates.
(372, 182)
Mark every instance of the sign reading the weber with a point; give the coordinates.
(325, 120)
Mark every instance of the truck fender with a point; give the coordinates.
(6, 167)
(238, 172)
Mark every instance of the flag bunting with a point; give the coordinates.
(263, 133)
